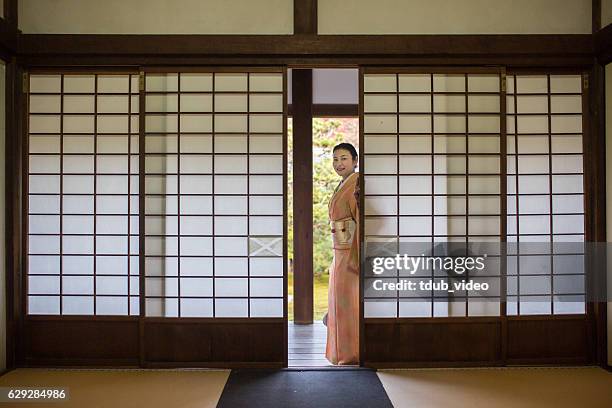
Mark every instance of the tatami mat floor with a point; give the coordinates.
(499, 387)
(123, 388)
(475, 388)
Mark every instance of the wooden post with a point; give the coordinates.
(302, 196)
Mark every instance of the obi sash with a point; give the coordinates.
(343, 232)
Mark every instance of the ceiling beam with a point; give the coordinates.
(306, 45)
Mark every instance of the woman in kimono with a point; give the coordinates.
(343, 314)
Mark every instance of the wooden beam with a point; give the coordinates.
(14, 237)
(596, 16)
(11, 11)
(422, 46)
(602, 41)
(8, 40)
(321, 110)
(305, 16)
(302, 197)
(595, 186)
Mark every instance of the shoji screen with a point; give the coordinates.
(545, 194)
(214, 194)
(82, 194)
(432, 175)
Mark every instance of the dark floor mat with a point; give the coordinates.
(297, 389)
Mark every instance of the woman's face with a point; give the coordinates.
(344, 164)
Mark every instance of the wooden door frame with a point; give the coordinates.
(25, 51)
(592, 323)
(50, 340)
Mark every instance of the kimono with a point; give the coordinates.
(343, 314)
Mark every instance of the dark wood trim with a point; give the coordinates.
(212, 320)
(430, 342)
(443, 364)
(302, 197)
(549, 341)
(577, 62)
(503, 210)
(337, 46)
(51, 340)
(285, 219)
(221, 364)
(11, 13)
(9, 30)
(305, 16)
(13, 213)
(595, 123)
(543, 339)
(8, 39)
(603, 44)
(475, 341)
(141, 214)
(220, 344)
(320, 110)
(362, 246)
(596, 16)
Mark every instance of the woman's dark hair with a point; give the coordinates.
(347, 146)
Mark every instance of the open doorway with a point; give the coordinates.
(323, 112)
(307, 341)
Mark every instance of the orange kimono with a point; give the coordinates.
(343, 314)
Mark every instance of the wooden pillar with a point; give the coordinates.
(595, 186)
(302, 196)
(305, 16)
(14, 237)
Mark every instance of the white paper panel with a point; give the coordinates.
(196, 103)
(265, 144)
(266, 82)
(46, 103)
(230, 205)
(230, 144)
(115, 84)
(448, 83)
(381, 205)
(448, 103)
(196, 143)
(161, 82)
(230, 82)
(411, 144)
(201, 82)
(266, 266)
(231, 267)
(380, 83)
(381, 226)
(380, 124)
(194, 266)
(45, 83)
(45, 144)
(78, 305)
(231, 103)
(266, 307)
(380, 103)
(231, 307)
(230, 225)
